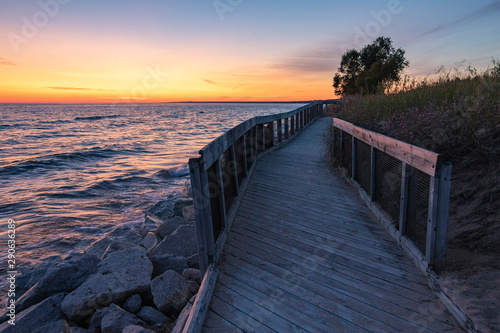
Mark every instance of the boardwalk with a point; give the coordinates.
(306, 255)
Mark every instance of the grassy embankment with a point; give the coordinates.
(458, 116)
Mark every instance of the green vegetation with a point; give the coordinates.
(453, 111)
(373, 69)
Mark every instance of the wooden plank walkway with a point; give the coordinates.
(306, 255)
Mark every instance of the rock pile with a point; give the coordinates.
(127, 281)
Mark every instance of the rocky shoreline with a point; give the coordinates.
(131, 280)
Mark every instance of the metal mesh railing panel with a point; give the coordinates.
(388, 185)
(240, 158)
(418, 208)
(347, 153)
(363, 165)
(215, 199)
(269, 135)
(228, 178)
(260, 138)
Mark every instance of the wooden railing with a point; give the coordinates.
(407, 187)
(218, 179)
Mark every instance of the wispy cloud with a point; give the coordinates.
(466, 19)
(320, 58)
(210, 81)
(6, 62)
(79, 89)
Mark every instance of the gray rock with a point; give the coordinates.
(182, 242)
(117, 319)
(125, 233)
(44, 313)
(120, 275)
(150, 241)
(192, 274)
(64, 277)
(169, 226)
(60, 326)
(182, 319)
(99, 247)
(136, 329)
(167, 262)
(76, 329)
(118, 245)
(31, 276)
(193, 261)
(188, 214)
(95, 322)
(162, 210)
(152, 316)
(193, 287)
(179, 205)
(132, 304)
(150, 224)
(170, 292)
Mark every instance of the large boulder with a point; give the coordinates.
(150, 224)
(170, 292)
(136, 329)
(179, 206)
(169, 226)
(60, 326)
(30, 276)
(125, 233)
(118, 245)
(192, 274)
(117, 319)
(150, 241)
(167, 262)
(48, 311)
(152, 316)
(162, 210)
(64, 277)
(120, 275)
(182, 242)
(132, 304)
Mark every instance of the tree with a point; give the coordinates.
(371, 70)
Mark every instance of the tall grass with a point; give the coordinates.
(451, 111)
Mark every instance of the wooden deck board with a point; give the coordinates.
(306, 255)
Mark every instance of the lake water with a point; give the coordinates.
(71, 172)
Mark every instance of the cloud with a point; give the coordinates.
(466, 19)
(79, 89)
(210, 81)
(6, 62)
(320, 58)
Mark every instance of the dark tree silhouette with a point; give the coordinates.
(370, 70)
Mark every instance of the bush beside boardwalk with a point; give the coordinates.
(458, 116)
(127, 281)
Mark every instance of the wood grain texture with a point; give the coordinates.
(305, 254)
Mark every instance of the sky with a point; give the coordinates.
(109, 51)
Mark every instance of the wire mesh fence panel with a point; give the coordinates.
(418, 208)
(269, 135)
(346, 157)
(215, 199)
(239, 150)
(249, 140)
(228, 178)
(363, 167)
(260, 138)
(388, 185)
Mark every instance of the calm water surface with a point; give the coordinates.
(69, 173)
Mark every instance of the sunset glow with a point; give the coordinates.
(162, 51)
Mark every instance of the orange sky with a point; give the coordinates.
(163, 51)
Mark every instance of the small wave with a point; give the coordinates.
(97, 117)
(177, 171)
(57, 160)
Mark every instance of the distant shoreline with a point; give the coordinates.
(187, 102)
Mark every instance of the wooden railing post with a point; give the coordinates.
(354, 158)
(287, 134)
(280, 131)
(443, 213)
(245, 154)
(373, 172)
(403, 208)
(222, 200)
(430, 250)
(235, 170)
